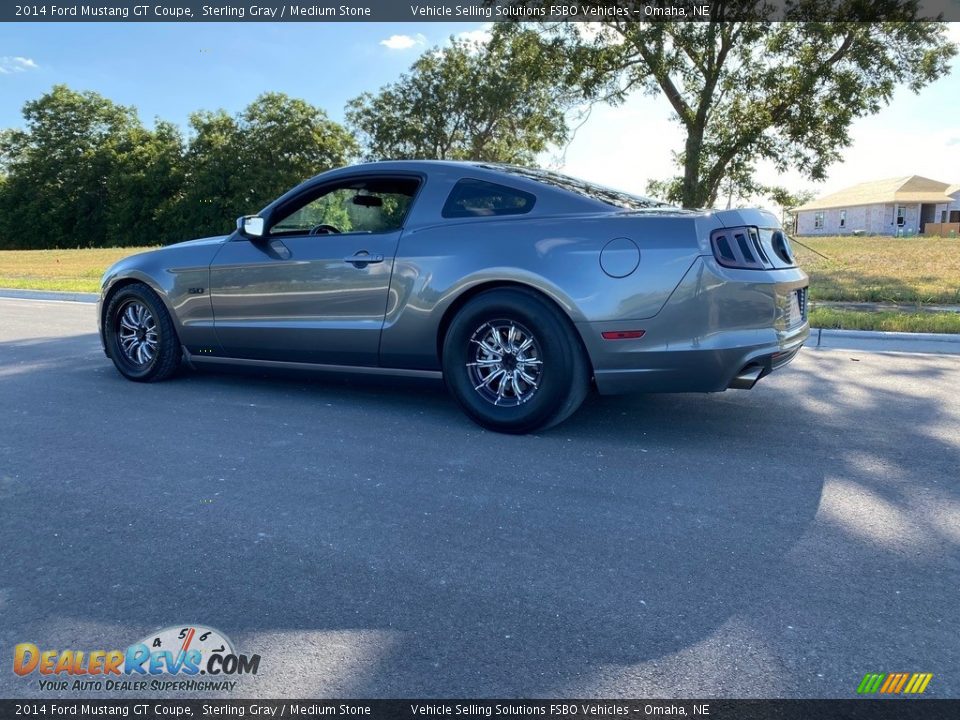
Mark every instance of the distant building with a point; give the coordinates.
(898, 206)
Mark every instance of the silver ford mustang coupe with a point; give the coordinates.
(521, 287)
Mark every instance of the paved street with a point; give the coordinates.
(367, 540)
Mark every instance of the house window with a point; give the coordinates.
(943, 216)
(901, 215)
(818, 220)
(843, 218)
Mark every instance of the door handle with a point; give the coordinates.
(363, 258)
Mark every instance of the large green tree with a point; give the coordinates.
(237, 164)
(84, 172)
(503, 101)
(214, 190)
(58, 169)
(287, 140)
(746, 92)
(145, 187)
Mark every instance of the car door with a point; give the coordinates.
(314, 288)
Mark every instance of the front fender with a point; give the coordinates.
(180, 276)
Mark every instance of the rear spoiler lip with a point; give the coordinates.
(756, 217)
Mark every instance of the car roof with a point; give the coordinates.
(555, 194)
(524, 177)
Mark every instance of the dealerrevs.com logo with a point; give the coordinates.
(187, 651)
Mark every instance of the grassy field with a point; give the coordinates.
(67, 270)
(873, 269)
(864, 269)
(933, 322)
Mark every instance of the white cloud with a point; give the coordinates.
(591, 31)
(953, 31)
(403, 42)
(9, 65)
(481, 35)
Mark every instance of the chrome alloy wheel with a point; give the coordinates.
(137, 333)
(504, 363)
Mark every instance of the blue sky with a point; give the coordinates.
(170, 70)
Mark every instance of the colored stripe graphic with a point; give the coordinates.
(900, 683)
(918, 683)
(894, 683)
(870, 683)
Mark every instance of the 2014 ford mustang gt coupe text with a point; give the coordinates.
(522, 287)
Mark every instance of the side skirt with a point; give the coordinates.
(200, 360)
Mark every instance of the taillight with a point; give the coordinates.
(781, 246)
(740, 247)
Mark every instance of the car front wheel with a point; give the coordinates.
(140, 336)
(513, 364)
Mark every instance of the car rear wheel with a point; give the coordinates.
(513, 364)
(140, 336)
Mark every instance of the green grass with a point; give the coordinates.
(933, 322)
(64, 270)
(863, 269)
(916, 270)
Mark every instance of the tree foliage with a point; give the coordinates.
(787, 200)
(747, 92)
(285, 141)
(58, 170)
(84, 171)
(144, 188)
(501, 101)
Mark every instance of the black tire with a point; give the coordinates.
(150, 353)
(559, 383)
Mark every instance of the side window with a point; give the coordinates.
(476, 198)
(357, 206)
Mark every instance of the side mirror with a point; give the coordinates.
(250, 225)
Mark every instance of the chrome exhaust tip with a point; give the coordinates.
(746, 378)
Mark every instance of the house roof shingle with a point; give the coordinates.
(908, 189)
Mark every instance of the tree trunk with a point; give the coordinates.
(691, 191)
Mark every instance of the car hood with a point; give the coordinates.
(192, 248)
(212, 240)
(154, 263)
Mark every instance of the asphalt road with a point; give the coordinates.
(367, 540)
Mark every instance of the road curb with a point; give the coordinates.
(943, 343)
(14, 294)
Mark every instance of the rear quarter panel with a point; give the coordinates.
(558, 255)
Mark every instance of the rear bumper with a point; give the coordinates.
(720, 328)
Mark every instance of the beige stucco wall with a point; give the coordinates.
(876, 219)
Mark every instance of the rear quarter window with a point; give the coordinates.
(478, 198)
